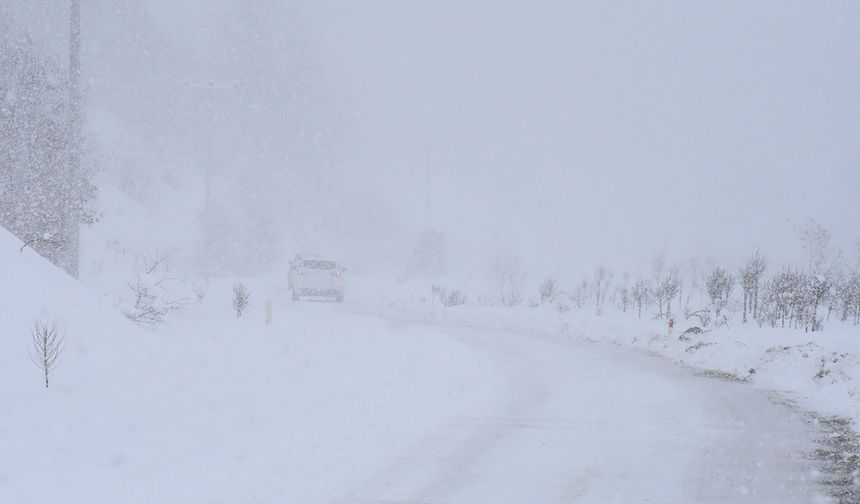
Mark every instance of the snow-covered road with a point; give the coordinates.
(583, 423)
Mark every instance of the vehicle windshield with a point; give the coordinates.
(321, 265)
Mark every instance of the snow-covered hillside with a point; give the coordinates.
(210, 408)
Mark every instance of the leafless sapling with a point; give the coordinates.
(241, 299)
(47, 347)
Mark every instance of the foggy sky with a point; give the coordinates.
(571, 133)
(605, 130)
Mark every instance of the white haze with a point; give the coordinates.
(568, 133)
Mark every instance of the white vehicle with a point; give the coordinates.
(313, 276)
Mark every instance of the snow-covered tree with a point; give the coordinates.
(719, 285)
(622, 297)
(815, 238)
(602, 278)
(43, 189)
(849, 299)
(666, 288)
(750, 279)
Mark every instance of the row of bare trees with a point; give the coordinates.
(792, 297)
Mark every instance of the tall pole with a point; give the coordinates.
(427, 196)
(207, 202)
(72, 224)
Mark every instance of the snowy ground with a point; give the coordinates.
(819, 371)
(370, 402)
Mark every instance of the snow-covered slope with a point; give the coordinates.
(209, 408)
(35, 290)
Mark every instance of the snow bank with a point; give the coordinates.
(819, 371)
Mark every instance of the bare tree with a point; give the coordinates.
(579, 296)
(641, 294)
(667, 287)
(48, 345)
(849, 298)
(818, 289)
(438, 293)
(509, 277)
(622, 297)
(750, 279)
(602, 277)
(815, 238)
(241, 299)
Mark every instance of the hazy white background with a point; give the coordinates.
(571, 133)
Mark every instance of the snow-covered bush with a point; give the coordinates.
(155, 292)
(548, 290)
(720, 284)
(454, 297)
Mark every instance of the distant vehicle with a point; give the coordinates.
(316, 276)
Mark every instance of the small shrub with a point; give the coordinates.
(454, 298)
(153, 300)
(448, 298)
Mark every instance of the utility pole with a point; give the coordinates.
(209, 88)
(72, 224)
(427, 168)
